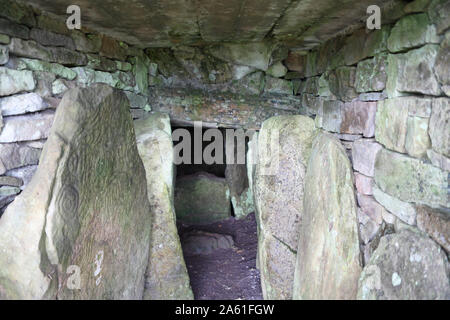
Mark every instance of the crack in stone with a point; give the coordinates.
(284, 243)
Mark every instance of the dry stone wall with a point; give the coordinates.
(384, 94)
(40, 59)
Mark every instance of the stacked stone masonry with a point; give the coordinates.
(385, 94)
(40, 59)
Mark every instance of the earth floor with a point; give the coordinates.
(226, 274)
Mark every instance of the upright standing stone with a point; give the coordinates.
(328, 256)
(237, 178)
(405, 266)
(284, 145)
(166, 276)
(85, 215)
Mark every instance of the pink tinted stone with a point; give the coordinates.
(371, 207)
(363, 184)
(364, 153)
(358, 117)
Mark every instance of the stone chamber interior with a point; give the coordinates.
(344, 193)
(219, 249)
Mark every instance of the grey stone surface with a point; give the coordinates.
(411, 180)
(436, 224)
(371, 74)
(284, 147)
(439, 126)
(48, 38)
(23, 103)
(4, 54)
(438, 13)
(329, 227)
(402, 210)
(417, 140)
(26, 127)
(14, 155)
(412, 72)
(412, 31)
(358, 117)
(202, 198)
(364, 153)
(13, 81)
(200, 242)
(405, 266)
(92, 147)
(391, 123)
(166, 275)
(13, 29)
(10, 181)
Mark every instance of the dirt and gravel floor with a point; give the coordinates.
(226, 274)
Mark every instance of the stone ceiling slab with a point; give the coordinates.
(146, 23)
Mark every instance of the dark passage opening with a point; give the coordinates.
(219, 249)
(218, 269)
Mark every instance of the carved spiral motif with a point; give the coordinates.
(68, 199)
(72, 163)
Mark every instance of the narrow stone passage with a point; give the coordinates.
(227, 274)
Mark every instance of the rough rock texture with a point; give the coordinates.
(358, 117)
(202, 198)
(10, 181)
(15, 155)
(439, 126)
(166, 275)
(406, 266)
(220, 109)
(255, 55)
(412, 31)
(391, 124)
(26, 127)
(413, 72)
(328, 256)
(371, 208)
(436, 224)
(371, 74)
(442, 65)
(400, 209)
(44, 66)
(439, 160)
(179, 22)
(13, 81)
(417, 140)
(363, 184)
(20, 104)
(342, 82)
(62, 219)
(438, 13)
(201, 242)
(238, 183)
(364, 153)
(411, 180)
(284, 146)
